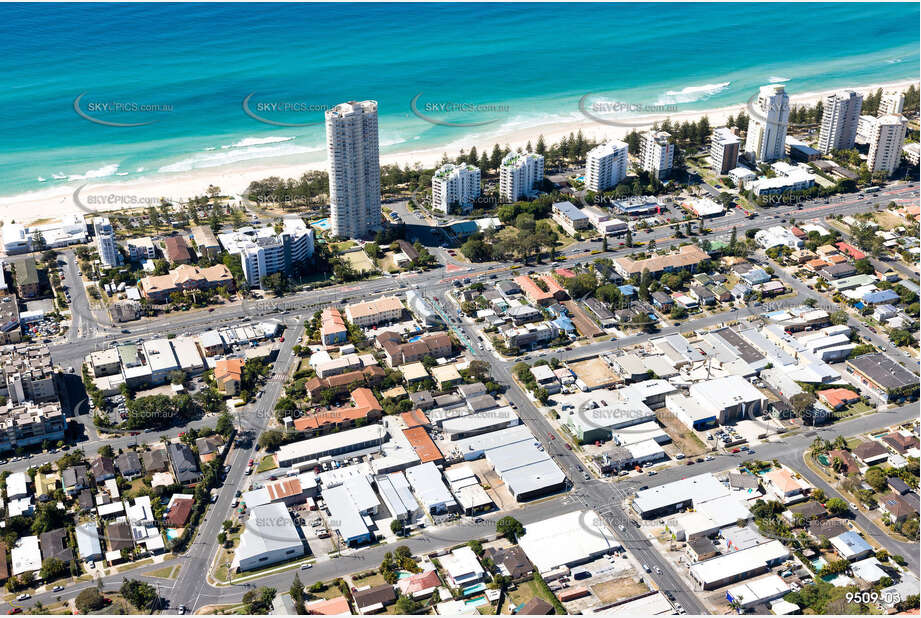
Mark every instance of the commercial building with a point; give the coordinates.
(777, 236)
(840, 112)
(16, 239)
(430, 488)
(331, 445)
(567, 540)
(520, 175)
(799, 150)
(739, 565)
(374, 312)
(528, 472)
(885, 377)
(886, 136)
(606, 165)
(657, 153)
(105, 242)
(269, 537)
(184, 278)
(790, 179)
(741, 176)
(570, 218)
(763, 590)
(354, 168)
(263, 252)
(672, 497)
(724, 150)
(455, 186)
(397, 496)
(728, 398)
(767, 128)
(702, 207)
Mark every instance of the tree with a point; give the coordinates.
(258, 601)
(876, 478)
(52, 568)
(396, 526)
(297, 595)
(838, 317)
(802, 402)
(140, 594)
(89, 600)
(900, 337)
(628, 239)
(510, 528)
(836, 506)
(407, 605)
(270, 440)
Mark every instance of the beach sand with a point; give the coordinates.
(232, 180)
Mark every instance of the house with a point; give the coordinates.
(336, 606)
(129, 464)
(54, 545)
(851, 546)
(228, 373)
(119, 536)
(182, 461)
(837, 398)
(850, 465)
(511, 562)
(785, 486)
(900, 442)
(103, 468)
(155, 460)
(178, 510)
(209, 447)
(828, 528)
(897, 507)
(898, 485)
(74, 480)
(871, 452)
(88, 545)
(535, 607)
(546, 379)
(462, 568)
(26, 555)
(371, 599)
(808, 510)
(662, 301)
(419, 585)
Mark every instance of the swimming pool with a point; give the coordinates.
(323, 224)
(172, 534)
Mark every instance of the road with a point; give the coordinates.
(606, 498)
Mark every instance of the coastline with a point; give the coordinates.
(53, 203)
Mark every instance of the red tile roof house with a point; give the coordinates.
(846, 458)
(419, 585)
(836, 398)
(851, 250)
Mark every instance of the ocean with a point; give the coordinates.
(216, 85)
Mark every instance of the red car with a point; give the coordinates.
(568, 446)
(735, 450)
(15, 610)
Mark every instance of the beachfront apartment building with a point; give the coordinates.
(455, 185)
(840, 114)
(606, 166)
(891, 103)
(353, 152)
(886, 135)
(767, 128)
(520, 175)
(105, 242)
(724, 150)
(263, 251)
(657, 153)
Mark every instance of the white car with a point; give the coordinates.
(23, 597)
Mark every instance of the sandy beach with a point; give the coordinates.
(84, 197)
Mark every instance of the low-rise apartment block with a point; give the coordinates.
(374, 312)
(158, 288)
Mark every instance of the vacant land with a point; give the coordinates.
(359, 261)
(617, 589)
(686, 441)
(595, 373)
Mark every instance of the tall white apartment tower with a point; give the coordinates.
(455, 185)
(354, 168)
(840, 115)
(657, 153)
(105, 242)
(892, 103)
(886, 137)
(606, 165)
(767, 127)
(519, 174)
(724, 150)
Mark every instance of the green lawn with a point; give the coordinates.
(267, 463)
(526, 591)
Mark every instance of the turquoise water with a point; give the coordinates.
(172, 534)
(818, 563)
(323, 224)
(199, 62)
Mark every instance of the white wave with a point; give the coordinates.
(236, 155)
(122, 173)
(894, 60)
(257, 141)
(690, 94)
(392, 142)
(210, 148)
(102, 172)
(140, 169)
(774, 79)
(40, 179)
(59, 176)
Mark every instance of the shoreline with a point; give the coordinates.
(51, 204)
